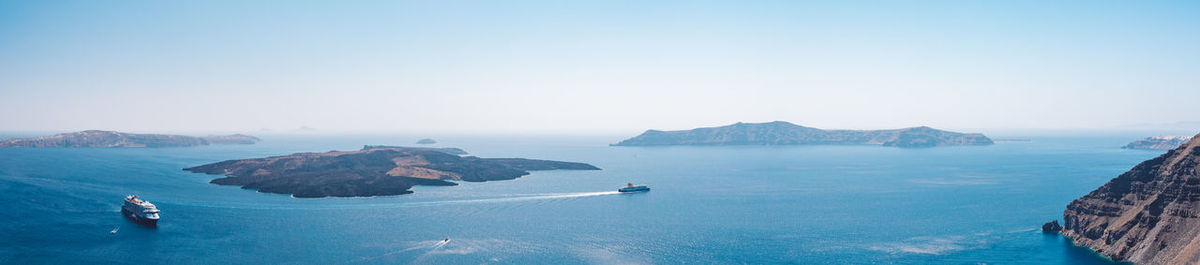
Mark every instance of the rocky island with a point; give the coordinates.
(97, 138)
(1148, 215)
(426, 141)
(785, 133)
(1158, 143)
(372, 171)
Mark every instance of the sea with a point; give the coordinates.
(708, 205)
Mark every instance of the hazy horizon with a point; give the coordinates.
(610, 67)
(617, 134)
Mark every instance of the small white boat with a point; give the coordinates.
(114, 231)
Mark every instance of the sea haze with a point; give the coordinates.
(710, 204)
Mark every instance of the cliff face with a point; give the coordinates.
(1158, 143)
(96, 138)
(377, 171)
(784, 133)
(1149, 215)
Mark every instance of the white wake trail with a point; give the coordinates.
(519, 198)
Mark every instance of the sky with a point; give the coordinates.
(594, 66)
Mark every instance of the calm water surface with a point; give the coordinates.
(726, 205)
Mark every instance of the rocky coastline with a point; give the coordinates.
(1148, 215)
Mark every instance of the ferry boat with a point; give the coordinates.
(633, 188)
(140, 211)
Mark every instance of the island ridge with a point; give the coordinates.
(1158, 142)
(98, 138)
(785, 133)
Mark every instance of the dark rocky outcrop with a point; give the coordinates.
(1158, 143)
(1051, 227)
(784, 133)
(373, 171)
(1148, 215)
(97, 138)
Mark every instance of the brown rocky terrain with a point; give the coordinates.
(1149, 215)
(97, 138)
(373, 171)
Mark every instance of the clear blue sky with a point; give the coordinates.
(517, 66)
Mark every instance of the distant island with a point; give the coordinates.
(1158, 143)
(1148, 215)
(372, 171)
(426, 141)
(785, 133)
(448, 150)
(97, 138)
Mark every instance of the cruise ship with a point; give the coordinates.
(140, 211)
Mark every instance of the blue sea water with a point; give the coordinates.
(709, 205)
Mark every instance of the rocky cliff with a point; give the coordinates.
(1149, 215)
(1158, 143)
(785, 133)
(377, 171)
(97, 138)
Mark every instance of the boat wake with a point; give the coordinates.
(424, 248)
(440, 244)
(517, 198)
(434, 252)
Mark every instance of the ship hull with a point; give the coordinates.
(138, 220)
(634, 189)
